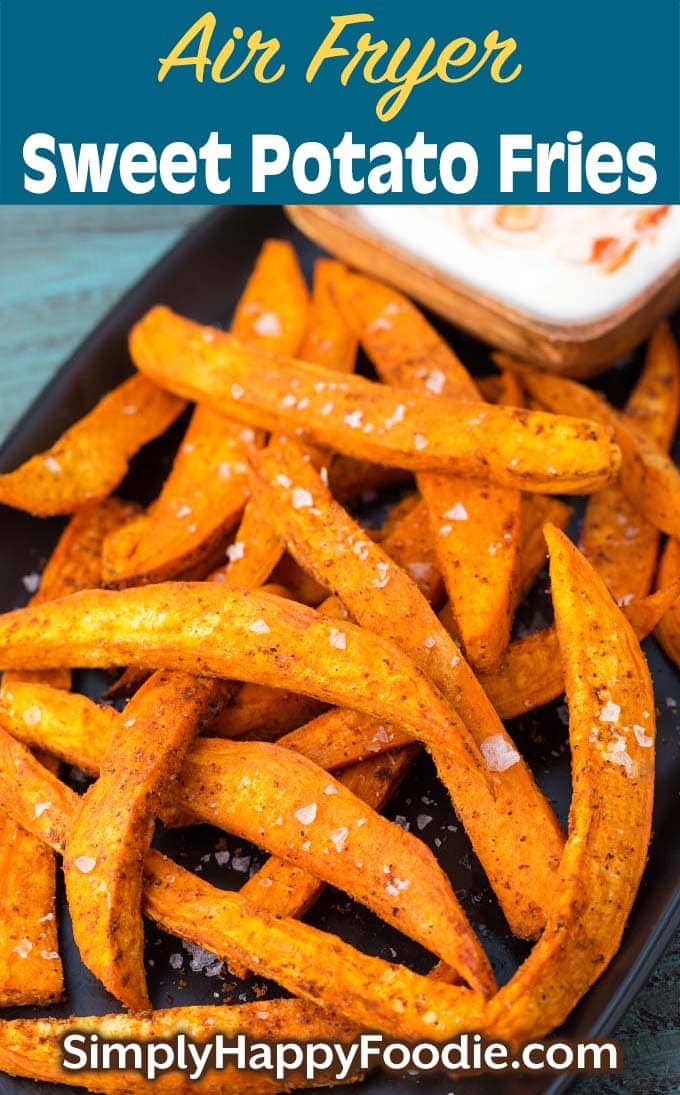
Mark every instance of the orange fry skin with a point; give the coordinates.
(265, 793)
(647, 476)
(477, 547)
(355, 416)
(329, 341)
(209, 630)
(618, 541)
(76, 563)
(611, 731)
(113, 828)
(531, 673)
(184, 533)
(33, 1048)
(383, 597)
(283, 889)
(228, 801)
(91, 458)
(310, 963)
(30, 968)
(668, 628)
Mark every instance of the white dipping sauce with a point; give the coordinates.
(563, 264)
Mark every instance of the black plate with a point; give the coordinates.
(202, 277)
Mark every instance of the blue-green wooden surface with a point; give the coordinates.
(60, 269)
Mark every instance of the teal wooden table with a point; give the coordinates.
(60, 269)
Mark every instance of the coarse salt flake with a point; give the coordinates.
(260, 627)
(617, 753)
(31, 582)
(397, 885)
(52, 465)
(435, 382)
(354, 419)
(268, 324)
(338, 639)
(306, 814)
(383, 575)
(457, 513)
(498, 753)
(236, 551)
(23, 948)
(396, 417)
(642, 737)
(32, 715)
(339, 838)
(237, 391)
(420, 441)
(40, 808)
(430, 642)
(330, 789)
(301, 498)
(610, 712)
(222, 858)
(184, 511)
(283, 481)
(85, 864)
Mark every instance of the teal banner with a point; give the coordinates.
(183, 101)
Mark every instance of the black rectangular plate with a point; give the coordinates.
(202, 277)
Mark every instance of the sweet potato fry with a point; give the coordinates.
(654, 402)
(537, 510)
(409, 543)
(615, 538)
(68, 725)
(611, 732)
(265, 793)
(207, 629)
(118, 548)
(114, 825)
(350, 478)
(506, 445)
(33, 1048)
(531, 672)
(91, 458)
(383, 597)
(264, 713)
(647, 476)
(668, 627)
(76, 563)
(504, 387)
(268, 795)
(476, 528)
(329, 341)
(283, 889)
(338, 738)
(30, 967)
(185, 531)
(317, 966)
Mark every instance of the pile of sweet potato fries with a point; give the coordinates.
(286, 666)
